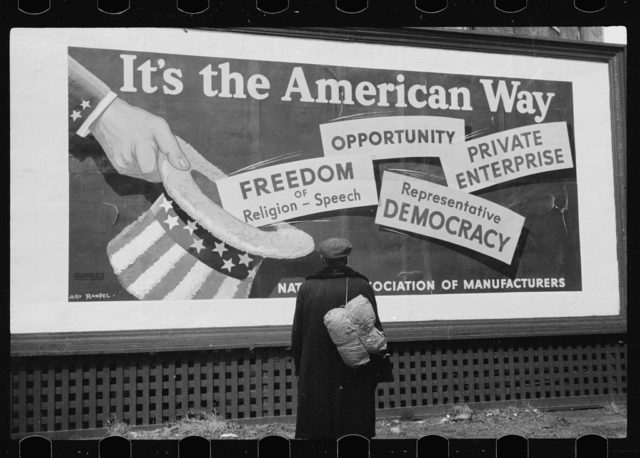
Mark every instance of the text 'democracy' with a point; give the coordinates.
(425, 208)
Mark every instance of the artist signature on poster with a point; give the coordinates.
(90, 296)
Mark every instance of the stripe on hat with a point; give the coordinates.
(210, 286)
(127, 255)
(156, 261)
(142, 263)
(228, 288)
(156, 272)
(245, 287)
(191, 283)
(173, 278)
(130, 232)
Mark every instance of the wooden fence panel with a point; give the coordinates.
(77, 392)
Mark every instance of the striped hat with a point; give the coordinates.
(188, 247)
(165, 254)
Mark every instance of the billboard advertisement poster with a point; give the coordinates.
(185, 180)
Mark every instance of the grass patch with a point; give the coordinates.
(206, 424)
(460, 422)
(615, 408)
(117, 427)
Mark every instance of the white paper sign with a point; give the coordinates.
(286, 191)
(392, 136)
(426, 208)
(507, 155)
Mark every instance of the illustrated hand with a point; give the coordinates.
(132, 138)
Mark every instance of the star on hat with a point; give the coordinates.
(171, 221)
(190, 226)
(220, 248)
(245, 259)
(228, 264)
(166, 204)
(197, 245)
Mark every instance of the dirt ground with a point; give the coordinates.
(461, 422)
(531, 423)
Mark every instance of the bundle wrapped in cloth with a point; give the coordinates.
(351, 328)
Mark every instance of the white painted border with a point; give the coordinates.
(39, 195)
(615, 34)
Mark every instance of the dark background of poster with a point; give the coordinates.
(234, 133)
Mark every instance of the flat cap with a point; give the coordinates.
(335, 247)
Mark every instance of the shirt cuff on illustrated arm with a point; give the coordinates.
(83, 131)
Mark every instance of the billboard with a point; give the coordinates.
(194, 175)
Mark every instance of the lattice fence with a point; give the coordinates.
(81, 392)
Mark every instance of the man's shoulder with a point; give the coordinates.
(362, 283)
(308, 283)
(360, 276)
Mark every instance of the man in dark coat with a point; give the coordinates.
(333, 399)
